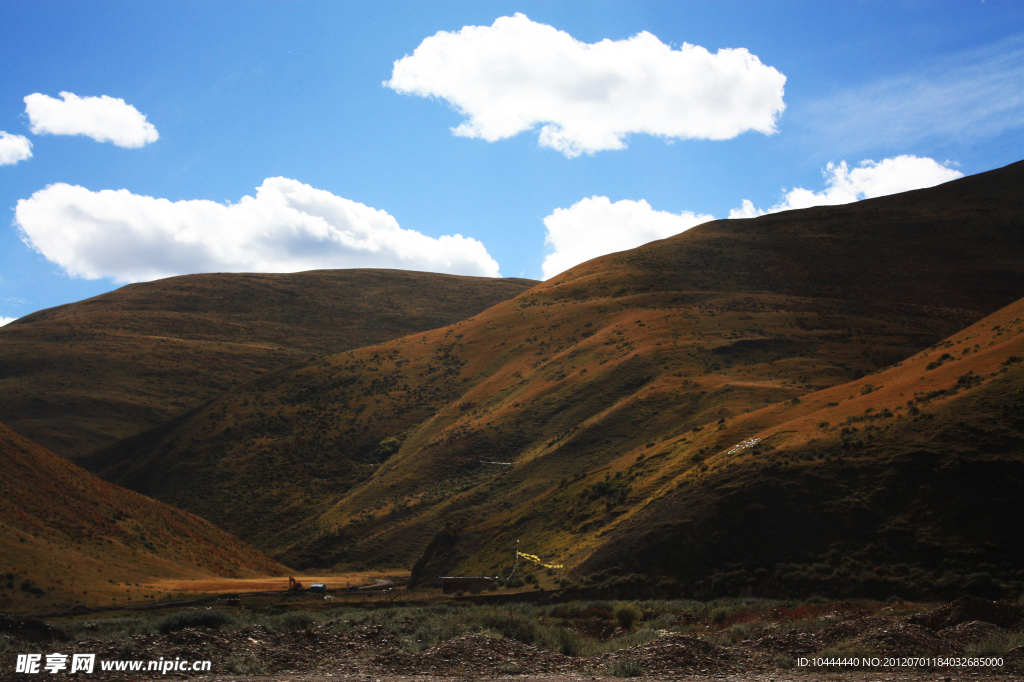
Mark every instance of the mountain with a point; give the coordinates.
(906, 482)
(85, 375)
(560, 416)
(71, 538)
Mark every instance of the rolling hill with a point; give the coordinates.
(70, 538)
(904, 482)
(84, 375)
(567, 415)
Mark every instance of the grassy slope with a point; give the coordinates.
(577, 379)
(905, 481)
(84, 375)
(83, 540)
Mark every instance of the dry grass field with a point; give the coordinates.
(334, 582)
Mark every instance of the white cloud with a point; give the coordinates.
(14, 148)
(517, 74)
(596, 226)
(287, 227)
(104, 119)
(868, 180)
(6, 320)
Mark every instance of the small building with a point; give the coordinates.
(318, 587)
(473, 584)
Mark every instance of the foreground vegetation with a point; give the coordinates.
(578, 628)
(662, 638)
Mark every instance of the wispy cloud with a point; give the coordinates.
(973, 94)
(104, 119)
(518, 74)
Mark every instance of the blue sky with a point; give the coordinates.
(240, 92)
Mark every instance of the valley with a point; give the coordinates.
(599, 413)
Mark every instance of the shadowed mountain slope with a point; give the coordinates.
(506, 424)
(84, 375)
(68, 537)
(907, 481)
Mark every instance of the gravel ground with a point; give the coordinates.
(369, 653)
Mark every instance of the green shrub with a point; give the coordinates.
(628, 615)
(719, 614)
(512, 624)
(193, 618)
(996, 645)
(627, 667)
(293, 622)
(438, 627)
(562, 640)
(783, 661)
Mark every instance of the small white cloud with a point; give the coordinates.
(868, 180)
(518, 74)
(104, 119)
(6, 320)
(746, 210)
(14, 148)
(287, 227)
(595, 226)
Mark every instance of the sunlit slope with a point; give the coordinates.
(68, 537)
(907, 481)
(362, 457)
(84, 375)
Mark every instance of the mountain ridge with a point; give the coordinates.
(84, 375)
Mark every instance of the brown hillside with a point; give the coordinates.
(84, 375)
(362, 457)
(907, 481)
(68, 537)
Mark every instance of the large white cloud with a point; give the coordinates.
(516, 74)
(14, 148)
(868, 180)
(595, 226)
(6, 320)
(287, 227)
(104, 119)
